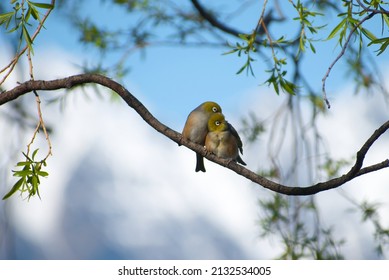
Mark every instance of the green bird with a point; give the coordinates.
(196, 127)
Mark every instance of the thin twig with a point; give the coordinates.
(41, 123)
(33, 138)
(261, 19)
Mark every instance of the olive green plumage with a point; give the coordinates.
(222, 139)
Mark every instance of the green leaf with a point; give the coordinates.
(34, 183)
(379, 41)
(384, 42)
(34, 12)
(5, 17)
(368, 34)
(27, 16)
(230, 52)
(383, 47)
(386, 19)
(42, 5)
(241, 69)
(27, 38)
(23, 163)
(312, 47)
(288, 86)
(302, 44)
(23, 173)
(42, 173)
(15, 188)
(34, 154)
(14, 29)
(336, 29)
(244, 37)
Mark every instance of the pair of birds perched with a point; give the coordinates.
(207, 126)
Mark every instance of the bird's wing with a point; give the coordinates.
(236, 135)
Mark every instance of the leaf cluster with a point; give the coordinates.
(24, 12)
(247, 47)
(278, 78)
(306, 19)
(278, 74)
(352, 23)
(287, 53)
(370, 214)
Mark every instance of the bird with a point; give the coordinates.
(223, 140)
(196, 127)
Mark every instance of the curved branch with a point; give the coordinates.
(15, 60)
(133, 102)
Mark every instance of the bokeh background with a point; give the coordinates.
(117, 189)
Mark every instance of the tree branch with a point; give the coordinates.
(133, 102)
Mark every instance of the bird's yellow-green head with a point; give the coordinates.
(211, 107)
(217, 122)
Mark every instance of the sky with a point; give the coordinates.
(120, 190)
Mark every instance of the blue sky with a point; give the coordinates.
(118, 189)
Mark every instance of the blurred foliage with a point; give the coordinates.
(369, 212)
(30, 176)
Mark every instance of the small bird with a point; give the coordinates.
(196, 127)
(223, 140)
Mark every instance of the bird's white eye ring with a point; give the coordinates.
(217, 123)
(214, 109)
